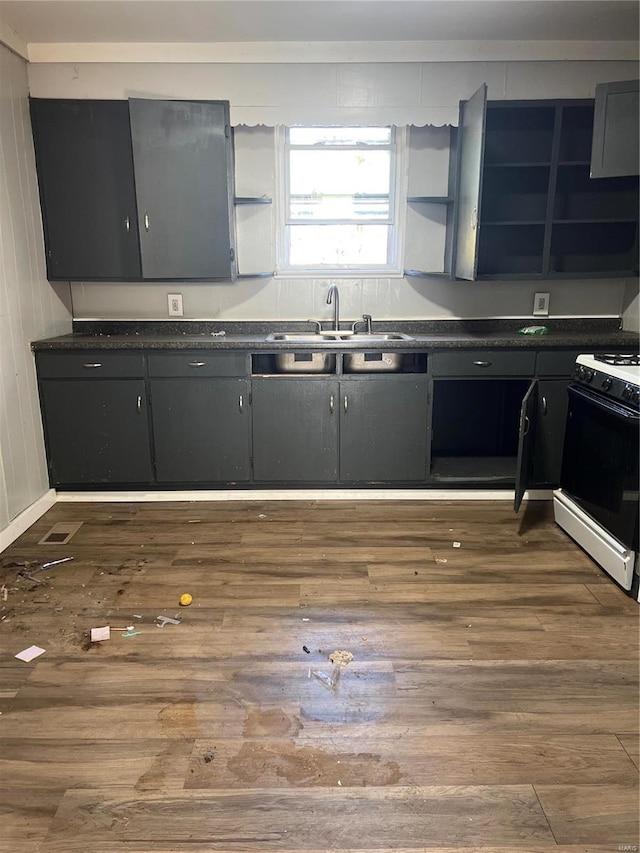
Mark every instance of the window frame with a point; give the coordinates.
(398, 178)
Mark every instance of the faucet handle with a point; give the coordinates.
(318, 323)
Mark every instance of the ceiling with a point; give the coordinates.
(198, 21)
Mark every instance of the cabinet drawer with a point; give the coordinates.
(89, 363)
(198, 363)
(557, 363)
(483, 363)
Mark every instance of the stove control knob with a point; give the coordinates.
(606, 383)
(627, 392)
(588, 374)
(635, 397)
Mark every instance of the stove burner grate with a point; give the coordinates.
(618, 358)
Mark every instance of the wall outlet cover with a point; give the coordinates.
(174, 301)
(541, 305)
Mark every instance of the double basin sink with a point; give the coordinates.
(322, 360)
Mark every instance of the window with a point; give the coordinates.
(340, 199)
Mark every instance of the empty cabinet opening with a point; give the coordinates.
(475, 429)
(519, 135)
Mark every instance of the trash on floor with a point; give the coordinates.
(55, 563)
(100, 634)
(441, 560)
(305, 649)
(185, 599)
(327, 679)
(29, 654)
(5, 592)
(456, 544)
(341, 657)
(161, 620)
(131, 633)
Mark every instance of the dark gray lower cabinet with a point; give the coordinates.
(325, 430)
(551, 420)
(295, 432)
(97, 431)
(201, 430)
(383, 429)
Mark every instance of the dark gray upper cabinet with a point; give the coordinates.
(470, 142)
(87, 194)
(615, 151)
(100, 162)
(183, 172)
(539, 214)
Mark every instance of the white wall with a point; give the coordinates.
(401, 93)
(30, 307)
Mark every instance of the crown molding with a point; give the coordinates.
(337, 51)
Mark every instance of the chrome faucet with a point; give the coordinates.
(333, 296)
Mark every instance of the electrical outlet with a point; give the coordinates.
(175, 304)
(541, 305)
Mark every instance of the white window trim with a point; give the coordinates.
(398, 229)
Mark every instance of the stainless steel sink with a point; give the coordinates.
(372, 337)
(307, 337)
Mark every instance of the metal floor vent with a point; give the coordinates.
(61, 533)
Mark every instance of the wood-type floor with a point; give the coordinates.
(491, 704)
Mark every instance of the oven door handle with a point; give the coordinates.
(609, 406)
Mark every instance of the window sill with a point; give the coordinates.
(339, 274)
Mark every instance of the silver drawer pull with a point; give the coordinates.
(92, 365)
(331, 401)
(483, 363)
(527, 424)
(197, 363)
(544, 405)
(139, 404)
(146, 221)
(346, 404)
(241, 402)
(127, 224)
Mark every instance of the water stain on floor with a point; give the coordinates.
(271, 722)
(305, 766)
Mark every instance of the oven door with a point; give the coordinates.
(600, 462)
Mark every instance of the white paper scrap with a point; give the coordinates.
(98, 634)
(456, 544)
(30, 653)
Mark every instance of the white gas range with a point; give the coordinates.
(597, 502)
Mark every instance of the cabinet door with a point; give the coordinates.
(85, 177)
(526, 443)
(552, 417)
(96, 431)
(383, 430)
(295, 433)
(471, 156)
(615, 151)
(201, 430)
(182, 157)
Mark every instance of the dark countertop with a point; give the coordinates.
(579, 334)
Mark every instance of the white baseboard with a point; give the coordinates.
(301, 495)
(26, 518)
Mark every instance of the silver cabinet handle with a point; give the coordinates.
(92, 365)
(241, 403)
(544, 405)
(197, 363)
(331, 401)
(146, 221)
(346, 404)
(527, 424)
(127, 224)
(139, 404)
(483, 363)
